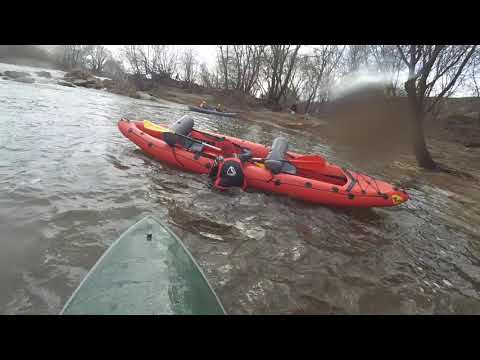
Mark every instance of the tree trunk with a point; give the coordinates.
(225, 69)
(424, 158)
(309, 103)
(417, 115)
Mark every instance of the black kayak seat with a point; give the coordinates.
(275, 160)
(183, 126)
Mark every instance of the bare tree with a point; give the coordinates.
(433, 71)
(317, 69)
(223, 64)
(247, 61)
(153, 61)
(144, 56)
(164, 60)
(388, 61)
(253, 68)
(297, 79)
(114, 69)
(97, 56)
(131, 54)
(280, 61)
(189, 66)
(473, 73)
(355, 57)
(205, 76)
(240, 66)
(72, 56)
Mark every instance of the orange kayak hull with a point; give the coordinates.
(331, 185)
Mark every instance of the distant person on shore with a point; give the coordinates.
(293, 109)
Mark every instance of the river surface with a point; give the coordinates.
(70, 184)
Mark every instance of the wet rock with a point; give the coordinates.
(65, 83)
(16, 74)
(94, 83)
(94, 86)
(107, 83)
(77, 74)
(44, 74)
(84, 78)
(92, 79)
(89, 83)
(80, 82)
(26, 80)
(144, 96)
(5, 78)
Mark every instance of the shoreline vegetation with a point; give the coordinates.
(356, 119)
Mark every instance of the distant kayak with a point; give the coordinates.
(147, 271)
(212, 111)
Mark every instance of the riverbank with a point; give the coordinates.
(376, 131)
(380, 139)
(379, 132)
(458, 120)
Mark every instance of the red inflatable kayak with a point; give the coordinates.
(237, 162)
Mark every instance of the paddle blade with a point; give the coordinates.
(151, 126)
(308, 162)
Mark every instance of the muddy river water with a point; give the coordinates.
(70, 184)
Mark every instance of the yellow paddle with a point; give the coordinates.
(169, 139)
(151, 126)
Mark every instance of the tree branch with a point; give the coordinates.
(454, 79)
(448, 67)
(403, 55)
